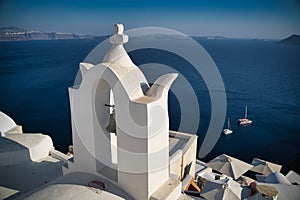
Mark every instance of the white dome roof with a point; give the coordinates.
(6, 123)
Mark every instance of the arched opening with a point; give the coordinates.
(112, 129)
(106, 154)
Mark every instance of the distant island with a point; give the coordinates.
(213, 37)
(293, 39)
(19, 34)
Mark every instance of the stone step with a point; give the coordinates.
(170, 190)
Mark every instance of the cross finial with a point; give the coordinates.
(118, 28)
(119, 37)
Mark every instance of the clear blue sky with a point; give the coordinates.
(229, 18)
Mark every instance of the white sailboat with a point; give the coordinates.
(228, 130)
(244, 121)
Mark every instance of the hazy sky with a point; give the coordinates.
(229, 18)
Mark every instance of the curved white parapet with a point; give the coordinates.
(6, 123)
(162, 85)
(21, 148)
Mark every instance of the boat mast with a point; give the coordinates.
(228, 125)
(246, 112)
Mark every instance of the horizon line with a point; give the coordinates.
(203, 36)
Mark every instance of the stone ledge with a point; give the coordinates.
(171, 189)
(21, 148)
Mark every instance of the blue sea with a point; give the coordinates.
(265, 75)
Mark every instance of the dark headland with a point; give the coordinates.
(293, 39)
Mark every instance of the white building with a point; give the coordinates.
(121, 139)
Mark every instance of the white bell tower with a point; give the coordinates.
(119, 131)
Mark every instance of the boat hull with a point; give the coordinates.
(227, 131)
(244, 121)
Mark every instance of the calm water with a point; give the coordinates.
(35, 75)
